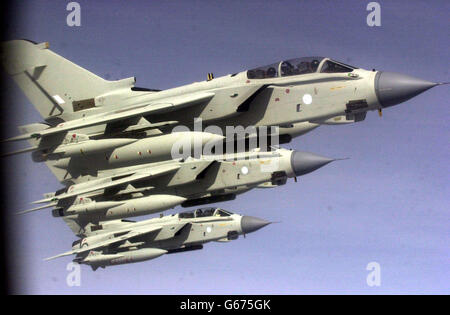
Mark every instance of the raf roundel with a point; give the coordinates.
(307, 99)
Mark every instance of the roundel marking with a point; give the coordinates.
(307, 99)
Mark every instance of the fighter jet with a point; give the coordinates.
(154, 187)
(297, 95)
(123, 241)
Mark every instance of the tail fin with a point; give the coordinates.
(52, 83)
(56, 86)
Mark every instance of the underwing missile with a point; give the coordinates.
(152, 149)
(110, 210)
(72, 145)
(91, 207)
(87, 147)
(98, 259)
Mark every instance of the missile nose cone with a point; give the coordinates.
(252, 224)
(305, 162)
(394, 88)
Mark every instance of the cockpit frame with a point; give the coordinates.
(204, 212)
(299, 66)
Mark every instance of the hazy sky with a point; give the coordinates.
(389, 203)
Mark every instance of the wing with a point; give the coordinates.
(104, 183)
(163, 106)
(121, 238)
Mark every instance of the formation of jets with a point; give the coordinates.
(123, 151)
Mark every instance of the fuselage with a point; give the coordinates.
(296, 103)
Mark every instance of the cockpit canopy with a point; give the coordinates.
(205, 212)
(299, 66)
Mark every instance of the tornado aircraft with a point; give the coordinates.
(297, 95)
(123, 242)
(155, 187)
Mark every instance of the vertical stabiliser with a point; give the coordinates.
(52, 83)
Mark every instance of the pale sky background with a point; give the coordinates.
(389, 203)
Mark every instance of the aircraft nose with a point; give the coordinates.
(252, 224)
(395, 88)
(305, 162)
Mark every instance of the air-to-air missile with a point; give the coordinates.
(117, 242)
(151, 188)
(77, 149)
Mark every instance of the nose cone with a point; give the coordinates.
(304, 162)
(395, 88)
(252, 224)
